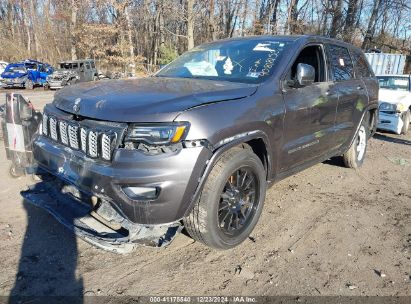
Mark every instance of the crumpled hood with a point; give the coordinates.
(394, 96)
(12, 75)
(153, 99)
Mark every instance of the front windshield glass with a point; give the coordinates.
(248, 61)
(17, 69)
(66, 66)
(31, 66)
(394, 83)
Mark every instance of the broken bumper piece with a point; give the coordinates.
(97, 222)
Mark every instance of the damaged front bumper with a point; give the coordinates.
(56, 84)
(97, 222)
(390, 122)
(174, 175)
(13, 82)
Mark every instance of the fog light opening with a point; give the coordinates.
(141, 193)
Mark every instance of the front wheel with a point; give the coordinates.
(15, 172)
(29, 85)
(355, 155)
(231, 201)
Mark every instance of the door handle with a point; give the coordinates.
(360, 88)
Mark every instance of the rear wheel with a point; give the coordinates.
(406, 122)
(355, 155)
(72, 81)
(231, 201)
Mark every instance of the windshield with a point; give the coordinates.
(68, 66)
(16, 69)
(249, 61)
(31, 66)
(394, 83)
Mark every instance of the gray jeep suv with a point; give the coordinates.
(196, 145)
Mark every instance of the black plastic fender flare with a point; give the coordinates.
(219, 149)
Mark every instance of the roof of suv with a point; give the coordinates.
(76, 61)
(291, 38)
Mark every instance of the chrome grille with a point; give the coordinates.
(95, 143)
(92, 144)
(73, 136)
(53, 128)
(63, 132)
(45, 126)
(106, 145)
(83, 138)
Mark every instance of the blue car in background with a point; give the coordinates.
(27, 74)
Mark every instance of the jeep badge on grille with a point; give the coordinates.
(76, 106)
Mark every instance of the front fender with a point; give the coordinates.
(224, 146)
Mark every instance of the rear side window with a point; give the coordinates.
(93, 65)
(362, 69)
(340, 62)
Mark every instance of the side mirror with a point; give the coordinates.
(305, 74)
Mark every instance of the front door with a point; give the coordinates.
(310, 112)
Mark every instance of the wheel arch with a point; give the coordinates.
(371, 114)
(255, 140)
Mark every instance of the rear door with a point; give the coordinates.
(88, 71)
(352, 94)
(364, 72)
(82, 72)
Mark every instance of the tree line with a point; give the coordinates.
(139, 35)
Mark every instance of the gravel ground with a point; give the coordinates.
(328, 230)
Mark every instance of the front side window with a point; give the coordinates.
(362, 69)
(247, 61)
(340, 62)
(311, 55)
(396, 83)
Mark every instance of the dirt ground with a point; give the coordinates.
(328, 230)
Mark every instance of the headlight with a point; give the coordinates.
(401, 107)
(157, 134)
(388, 107)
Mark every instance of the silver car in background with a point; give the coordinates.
(71, 72)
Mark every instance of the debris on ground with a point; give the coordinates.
(380, 273)
(351, 286)
(399, 161)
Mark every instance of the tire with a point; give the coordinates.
(204, 223)
(29, 85)
(355, 155)
(15, 172)
(72, 81)
(406, 122)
